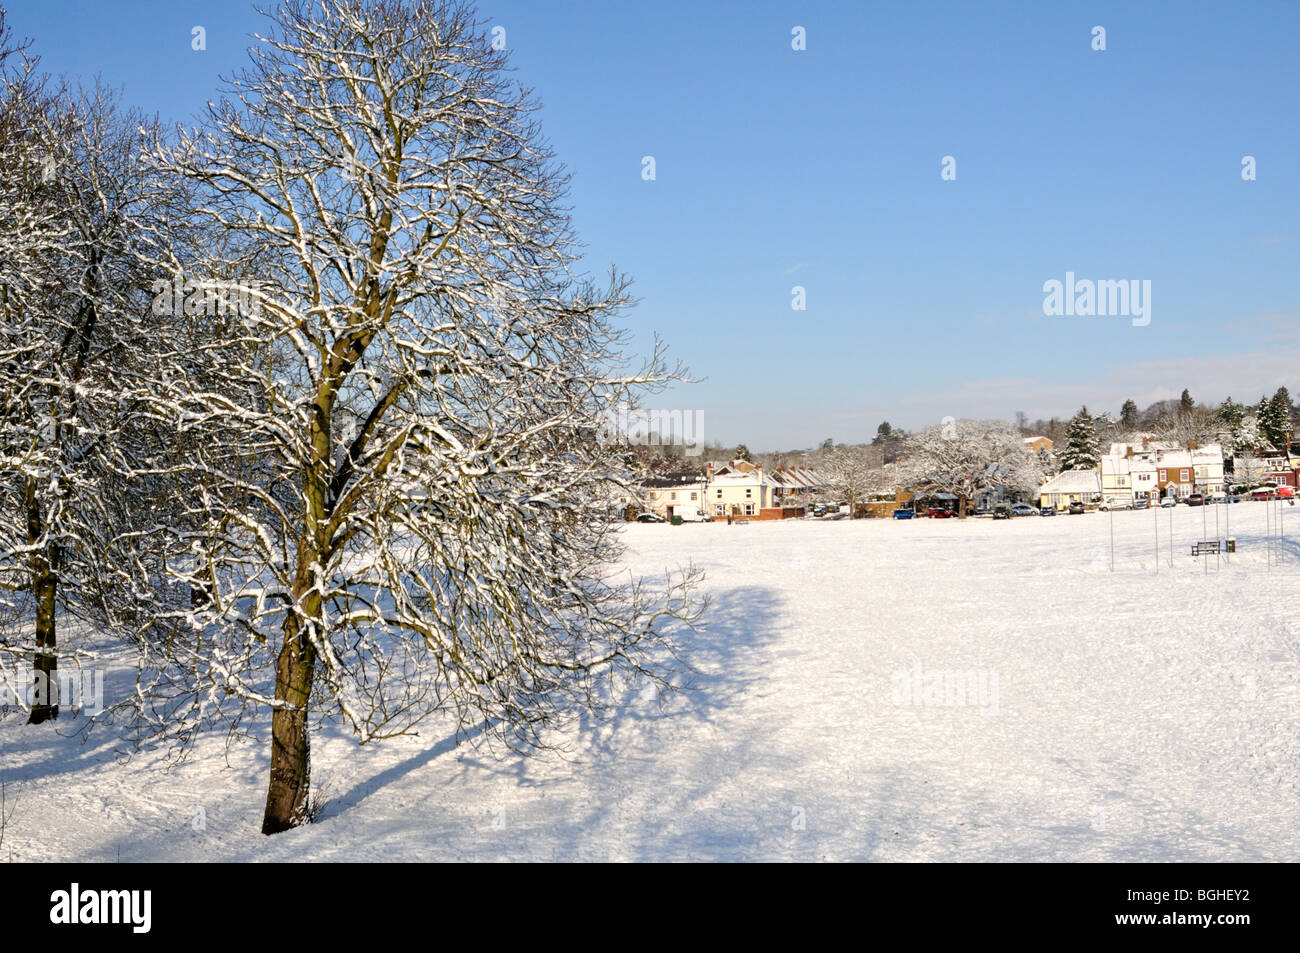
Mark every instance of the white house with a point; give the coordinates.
(739, 488)
(1071, 486)
(1156, 469)
(1207, 463)
(669, 497)
(1128, 478)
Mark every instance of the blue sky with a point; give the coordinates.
(821, 168)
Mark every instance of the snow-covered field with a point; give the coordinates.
(1125, 715)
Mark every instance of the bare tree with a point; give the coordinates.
(967, 457)
(28, 234)
(1249, 470)
(419, 534)
(1191, 426)
(73, 304)
(850, 473)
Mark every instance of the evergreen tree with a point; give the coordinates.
(1272, 423)
(742, 453)
(1128, 414)
(1245, 435)
(1185, 403)
(1231, 413)
(1280, 418)
(1082, 448)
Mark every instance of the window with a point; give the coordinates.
(1182, 476)
(1164, 475)
(748, 492)
(719, 509)
(694, 496)
(672, 496)
(749, 509)
(719, 494)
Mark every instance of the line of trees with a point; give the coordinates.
(303, 403)
(1185, 420)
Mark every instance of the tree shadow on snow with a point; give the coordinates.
(726, 655)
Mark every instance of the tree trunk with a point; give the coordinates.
(961, 507)
(45, 666)
(45, 585)
(286, 798)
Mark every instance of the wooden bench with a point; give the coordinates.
(1208, 548)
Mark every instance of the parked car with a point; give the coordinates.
(687, 515)
(1263, 493)
(1076, 508)
(1167, 502)
(1219, 497)
(1141, 504)
(904, 513)
(1002, 512)
(1116, 503)
(1022, 509)
(1047, 511)
(1196, 499)
(650, 518)
(940, 513)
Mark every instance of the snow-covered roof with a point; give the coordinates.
(735, 466)
(672, 480)
(798, 478)
(1173, 458)
(751, 478)
(1073, 481)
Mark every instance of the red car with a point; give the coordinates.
(939, 513)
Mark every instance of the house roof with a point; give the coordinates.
(742, 478)
(1073, 481)
(799, 478)
(672, 480)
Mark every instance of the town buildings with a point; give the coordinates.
(738, 488)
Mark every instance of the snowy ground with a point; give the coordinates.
(1125, 715)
